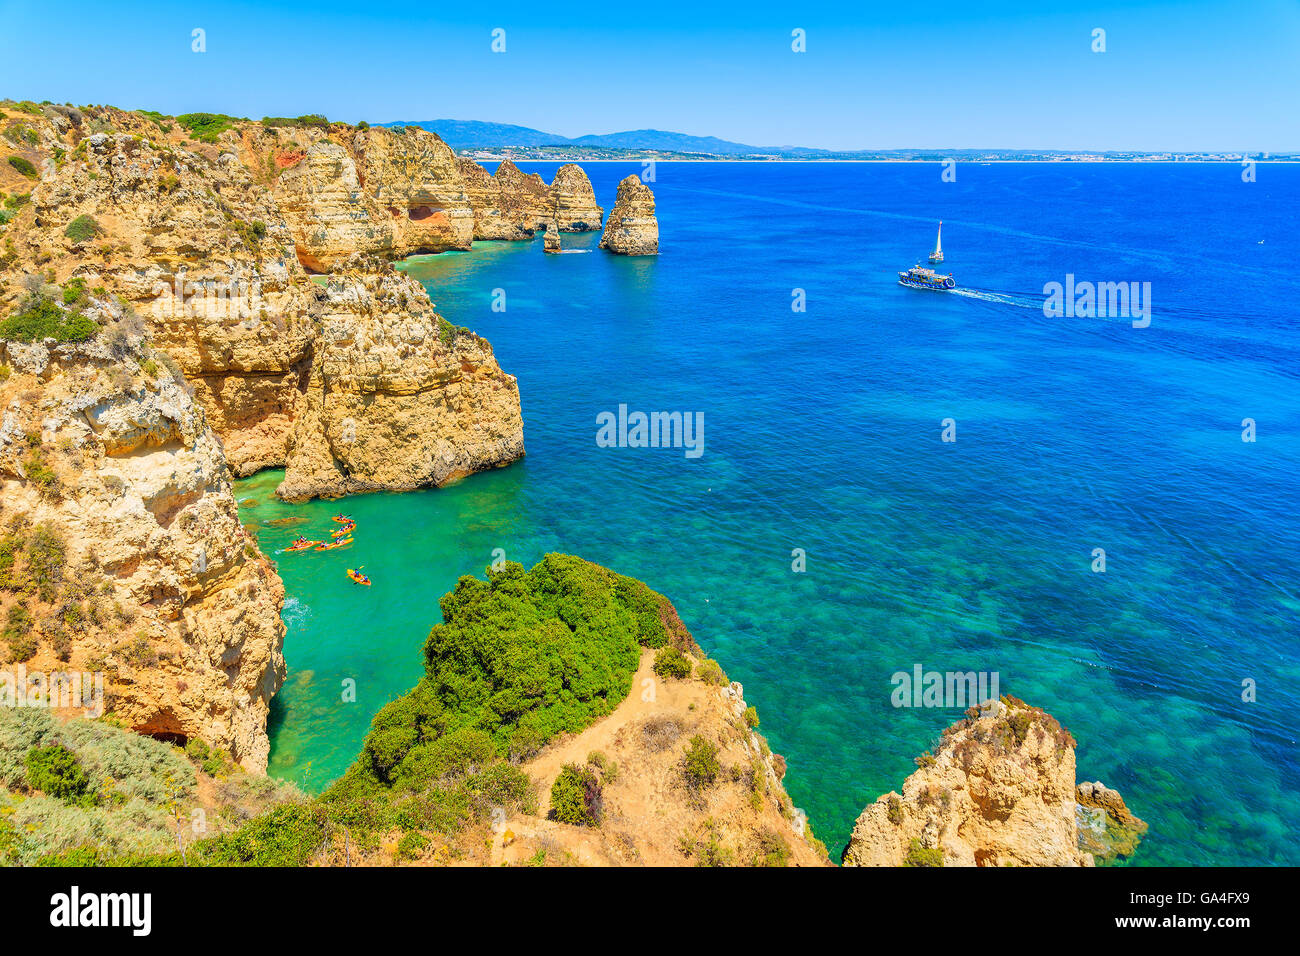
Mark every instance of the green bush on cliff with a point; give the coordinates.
(41, 318)
(23, 166)
(918, 855)
(82, 229)
(56, 772)
(576, 796)
(206, 127)
(522, 656)
(701, 766)
(672, 663)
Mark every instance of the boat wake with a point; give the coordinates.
(1021, 300)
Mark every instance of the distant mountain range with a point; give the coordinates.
(472, 134)
(523, 142)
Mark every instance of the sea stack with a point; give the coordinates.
(552, 240)
(632, 229)
(999, 790)
(575, 201)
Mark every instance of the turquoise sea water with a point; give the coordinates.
(822, 432)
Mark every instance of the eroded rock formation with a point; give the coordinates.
(128, 558)
(397, 398)
(574, 201)
(998, 791)
(632, 229)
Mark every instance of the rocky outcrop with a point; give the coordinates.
(525, 197)
(129, 558)
(1107, 829)
(413, 176)
(998, 791)
(552, 241)
(397, 398)
(484, 191)
(574, 201)
(632, 229)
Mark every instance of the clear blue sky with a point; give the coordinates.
(1217, 74)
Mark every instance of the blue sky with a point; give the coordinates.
(1192, 75)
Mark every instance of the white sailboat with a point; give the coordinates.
(937, 255)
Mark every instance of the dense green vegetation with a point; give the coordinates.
(40, 317)
(518, 659)
(206, 127)
(310, 119)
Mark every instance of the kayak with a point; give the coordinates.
(343, 532)
(303, 545)
(337, 544)
(358, 577)
(343, 519)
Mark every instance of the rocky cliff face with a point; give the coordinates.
(203, 256)
(632, 229)
(210, 244)
(127, 557)
(573, 201)
(397, 397)
(998, 791)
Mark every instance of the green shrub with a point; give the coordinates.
(74, 291)
(710, 671)
(411, 845)
(576, 796)
(751, 716)
(918, 855)
(206, 127)
(289, 835)
(41, 318)
(82, 229)
(55, 771)
(670, 662)
(46, 555)
(701, 767)
(769, 849)
(23, 166)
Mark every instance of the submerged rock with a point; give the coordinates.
(1107, 829)
(632, 229)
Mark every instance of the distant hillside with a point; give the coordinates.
(676, 142)
(472, 134)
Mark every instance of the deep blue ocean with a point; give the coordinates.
(823, 433)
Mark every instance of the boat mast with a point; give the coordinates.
(938, 239)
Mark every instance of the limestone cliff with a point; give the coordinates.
(632, 229)
(573, 201)
(123, 552)
(210, 245)
(998, 791)
(201, 253)
(397, 397)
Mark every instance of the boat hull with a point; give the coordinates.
(946, 285)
